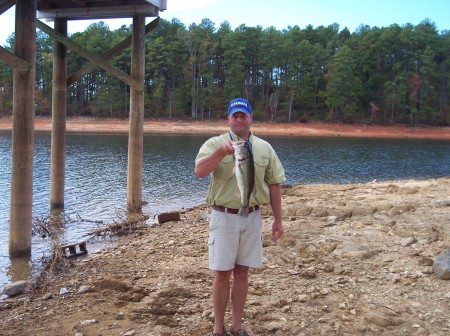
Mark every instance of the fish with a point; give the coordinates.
(244, 171)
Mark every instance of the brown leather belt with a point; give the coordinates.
(233, 211)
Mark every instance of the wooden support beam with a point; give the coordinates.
(109, 54)
(13, 61)
(23, 132)
(136, 132)
(5, 5)
(59, 108)
(90, 56)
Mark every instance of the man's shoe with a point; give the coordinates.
(240, 332)
(224, 332)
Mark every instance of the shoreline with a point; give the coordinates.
(359, 256)
(82, 125)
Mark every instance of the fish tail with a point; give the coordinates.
(243, 211)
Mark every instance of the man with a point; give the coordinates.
(235, 241)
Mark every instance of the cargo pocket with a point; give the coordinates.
(211, 251)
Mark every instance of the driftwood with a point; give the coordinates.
(121, 227)
(53, 265)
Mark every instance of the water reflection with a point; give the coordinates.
(19, 269)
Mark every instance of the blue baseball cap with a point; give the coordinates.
(239, 105)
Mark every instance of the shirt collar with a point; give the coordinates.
(235, 137)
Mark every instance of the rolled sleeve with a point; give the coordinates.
(276, 173)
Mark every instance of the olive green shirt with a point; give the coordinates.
(223, 189)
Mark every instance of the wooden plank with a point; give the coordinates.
(169, 217)
(13, 61)
(5, 5)
(90, 56)
(75, 250)
(109, 54)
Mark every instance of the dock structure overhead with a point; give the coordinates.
(98, 9)
(30, 15)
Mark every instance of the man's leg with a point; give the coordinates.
(220, 297)
(239, 292)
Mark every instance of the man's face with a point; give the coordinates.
(240, 124)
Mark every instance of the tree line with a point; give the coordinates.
(395, 74)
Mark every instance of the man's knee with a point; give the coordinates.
(240, 271)
(222, 276)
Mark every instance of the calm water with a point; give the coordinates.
(96, 177)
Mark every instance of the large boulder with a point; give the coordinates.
(441, 266)
(15, 288)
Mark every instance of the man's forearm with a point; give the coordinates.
(207, 164)
(275, 200)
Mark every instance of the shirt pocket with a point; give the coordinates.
(261, 164)
(224, 169)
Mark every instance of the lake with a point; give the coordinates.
(96, 177)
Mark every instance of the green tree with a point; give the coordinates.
(343, 86)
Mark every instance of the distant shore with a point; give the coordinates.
(308, 129)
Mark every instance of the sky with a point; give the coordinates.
(282, 13)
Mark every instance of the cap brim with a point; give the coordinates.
(233, 111)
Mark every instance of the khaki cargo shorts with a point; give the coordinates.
(235, 240)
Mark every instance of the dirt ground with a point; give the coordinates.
(94, 125)
(355, 259)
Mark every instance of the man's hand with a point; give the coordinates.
(210, 162)
(277, 230)
(227, 148)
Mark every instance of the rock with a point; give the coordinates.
(303, 211)
(204, 215)
(424, 261)
(88, 322)
(83, 289)
(274, 326)
(15, 288)
(408, 191)
(47, 296)
(393, 277)
(441, 266)
(441, 203)
(341, 213)
(362, 211)
(354, 251)
(302, 298)
(63, 291)
(407, 241)
(382, 320)
(319, 211)
(332, 220)
(392, 188)
(130, 333)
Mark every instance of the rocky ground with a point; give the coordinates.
(355, 259)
